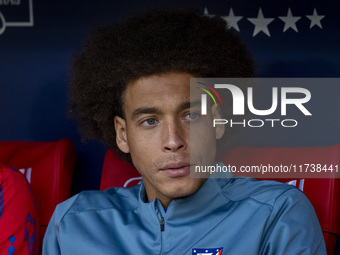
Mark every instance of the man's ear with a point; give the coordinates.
(217, 114)
(121, 135)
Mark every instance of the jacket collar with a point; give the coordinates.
(207, 199)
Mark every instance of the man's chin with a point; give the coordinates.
(184, 191)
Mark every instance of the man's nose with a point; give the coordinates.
(173, 137)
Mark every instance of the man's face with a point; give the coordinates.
(156, 132)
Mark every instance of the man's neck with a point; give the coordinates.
(165, 201)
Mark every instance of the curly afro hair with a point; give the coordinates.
(155, 42)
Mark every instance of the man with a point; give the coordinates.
(130, 89)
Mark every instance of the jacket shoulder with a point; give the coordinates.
(266, 192)
(121, 199)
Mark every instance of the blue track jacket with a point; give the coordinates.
(225, 217)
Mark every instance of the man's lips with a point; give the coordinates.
(176, 169)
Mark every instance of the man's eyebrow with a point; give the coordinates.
(145, 110)
(187, 105)
(155, 110)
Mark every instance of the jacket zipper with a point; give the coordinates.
(162, 224)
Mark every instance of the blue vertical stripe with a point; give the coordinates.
(2, 204)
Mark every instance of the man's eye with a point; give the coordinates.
(150, 122)
(192, 116)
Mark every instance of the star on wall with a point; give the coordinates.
(232, 20)
(315, 19)
(290, 21)
(261, 23)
